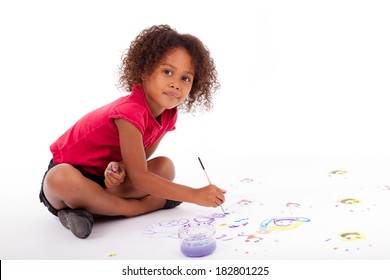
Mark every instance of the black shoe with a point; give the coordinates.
(79, 221)
(171, 204)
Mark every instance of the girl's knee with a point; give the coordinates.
(163, 166)
(54, 185)
(58, 177)
(167, 168)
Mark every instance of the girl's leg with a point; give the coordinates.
(161, 166)
(65, 186)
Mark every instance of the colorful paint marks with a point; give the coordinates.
(169, 228)
(338, 172)
(244, 202)
(267, 220)
(348, 242)
(247, 180)
(349, 201)
(352, 236)
(283, 223)
(354, 204)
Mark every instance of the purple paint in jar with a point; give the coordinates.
(197, 239)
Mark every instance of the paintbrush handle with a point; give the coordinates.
(207, 176)
(208, 179)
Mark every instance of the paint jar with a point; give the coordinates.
(197, 239)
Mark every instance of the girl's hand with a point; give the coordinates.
(210, 196)
(114, 175)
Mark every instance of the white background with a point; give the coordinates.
(298, 77)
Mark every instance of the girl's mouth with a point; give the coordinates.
(171, 95)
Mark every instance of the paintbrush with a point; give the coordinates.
(208, 179)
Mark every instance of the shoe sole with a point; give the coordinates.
(80, 222)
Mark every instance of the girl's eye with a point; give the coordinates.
(186, 79)
(167, 72)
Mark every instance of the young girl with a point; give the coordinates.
(102, 165)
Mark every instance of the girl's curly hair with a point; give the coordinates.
(150, 48)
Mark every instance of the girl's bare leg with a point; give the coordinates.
(161, 166)
(65, 186)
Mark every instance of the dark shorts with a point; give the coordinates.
(97, 179)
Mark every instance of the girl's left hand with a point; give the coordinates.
(114, 175)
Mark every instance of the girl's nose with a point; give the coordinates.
(174, 85)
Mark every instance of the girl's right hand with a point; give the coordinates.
(114, 175)
(210, 196)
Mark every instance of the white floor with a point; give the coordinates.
(260, 191)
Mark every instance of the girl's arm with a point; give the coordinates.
(149, 152)
(115, 174)
(134, 158)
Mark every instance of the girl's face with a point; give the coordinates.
(170, 82)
